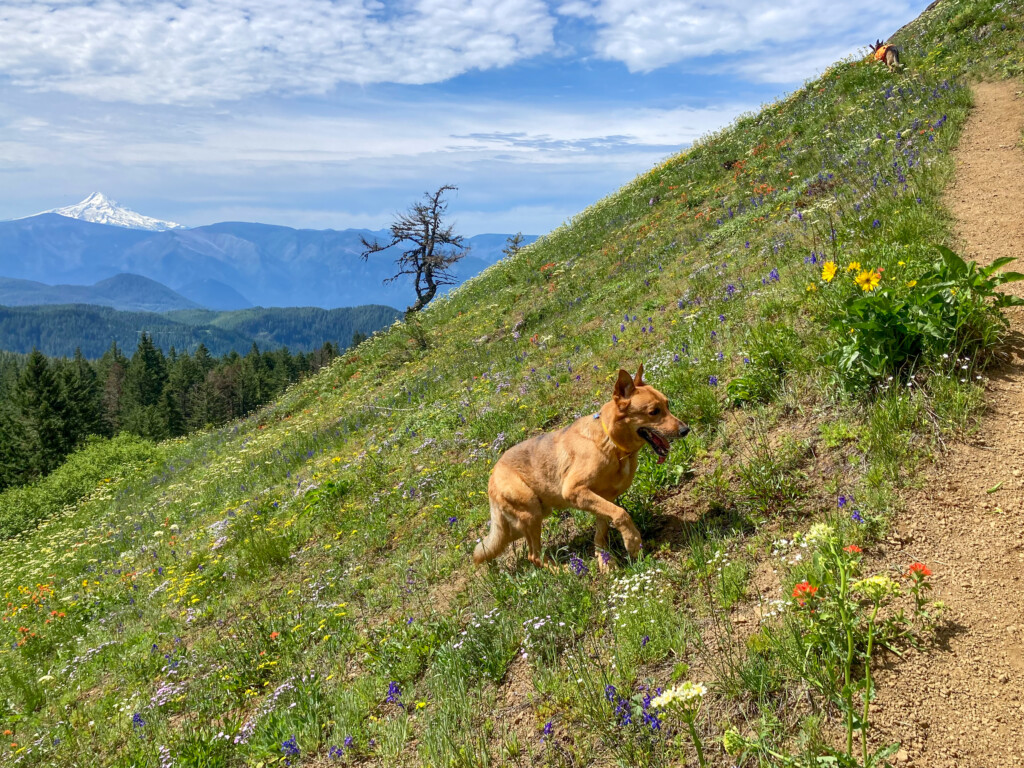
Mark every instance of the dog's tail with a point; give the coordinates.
(494, 543)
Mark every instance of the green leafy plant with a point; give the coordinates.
(952, 309)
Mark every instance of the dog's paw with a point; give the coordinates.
(633, 543)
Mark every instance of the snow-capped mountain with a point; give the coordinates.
(100, 209)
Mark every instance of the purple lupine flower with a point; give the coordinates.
(549, 730)
(855, 516)
(289, 747)
(713, 381)
(624, 712)
(394, 694)
(577, 566)
(609, 692)
(842, 501)
(876, 224)
(774, 275)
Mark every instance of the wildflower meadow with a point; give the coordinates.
(296, 588)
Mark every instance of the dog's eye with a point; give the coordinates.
(655, 411)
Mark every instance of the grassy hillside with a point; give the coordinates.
(297, 589)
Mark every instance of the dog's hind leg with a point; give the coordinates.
(533, 541)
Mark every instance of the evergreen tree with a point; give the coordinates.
(111, 371)
(144, 382)
(82, 391)
(173, 421)
(43, 412)
(15, 463)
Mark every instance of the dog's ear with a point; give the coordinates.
(638, 380)
(624, 386)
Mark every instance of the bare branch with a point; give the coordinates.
(434, 247)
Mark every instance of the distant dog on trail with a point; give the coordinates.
(585, 466)
(886, 53)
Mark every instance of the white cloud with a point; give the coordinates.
(531, 164)
(648, 36)
(207, 50)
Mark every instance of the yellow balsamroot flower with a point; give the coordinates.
(828, 271)
(853, 266)
(868, 280)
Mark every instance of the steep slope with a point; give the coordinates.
(298, 587)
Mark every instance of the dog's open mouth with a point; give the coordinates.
(657, 442)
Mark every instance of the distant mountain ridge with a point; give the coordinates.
(57, 330)
(263, 264)
(124, 292)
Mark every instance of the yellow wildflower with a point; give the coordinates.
(868, 280)
(811, 288)
(853, 266)
(912, 283)
(901, 264)
(828, 271)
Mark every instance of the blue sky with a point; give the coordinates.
(321, 113)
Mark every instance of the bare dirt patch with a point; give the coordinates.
(963, 703)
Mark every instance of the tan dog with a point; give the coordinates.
(585, 466)
(885, 53)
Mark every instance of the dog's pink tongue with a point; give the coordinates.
(661, 459)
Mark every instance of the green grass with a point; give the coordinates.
(275, 578)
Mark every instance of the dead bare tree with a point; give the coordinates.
(434, 246)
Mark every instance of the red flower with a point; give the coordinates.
(853, 549)
(273, 635)
(919, 570)
(804, 590)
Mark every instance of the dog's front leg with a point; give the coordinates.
(583, 498)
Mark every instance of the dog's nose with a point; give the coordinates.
(684, 430)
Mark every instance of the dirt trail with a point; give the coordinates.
(963, 704)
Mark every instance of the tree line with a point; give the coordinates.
(51, 406)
